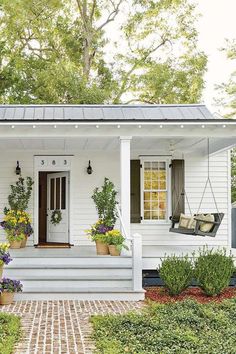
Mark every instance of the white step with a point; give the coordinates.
(111, 294)
(77, 284)
(78, 261)
(72, 278)
(65, 272)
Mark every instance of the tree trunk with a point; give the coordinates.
(86, 57)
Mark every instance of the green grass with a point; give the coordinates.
(182, 327)
(9, 332)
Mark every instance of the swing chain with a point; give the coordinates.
(209, 181)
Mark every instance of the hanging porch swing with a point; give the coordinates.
(201, 223)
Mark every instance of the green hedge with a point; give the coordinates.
(184, 327)
(177, 273)
(212, 269)
(9, 332)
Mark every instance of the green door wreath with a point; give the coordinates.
(56, 217)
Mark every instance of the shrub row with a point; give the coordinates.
(211, 269)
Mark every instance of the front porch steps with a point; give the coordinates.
(75, 278)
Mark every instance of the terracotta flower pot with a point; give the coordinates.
(6, 298)
(113, 250)
(23, 242)
(1, 271)
(102, 248)
(15, 244)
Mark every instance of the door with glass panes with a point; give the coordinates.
(57, 204)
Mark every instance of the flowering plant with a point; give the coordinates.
(98, 230)
(10, 285)
(4, 255)
(17, 225)
(114, 237)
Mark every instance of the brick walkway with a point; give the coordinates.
(61, 327)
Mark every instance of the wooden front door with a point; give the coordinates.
(57, 199)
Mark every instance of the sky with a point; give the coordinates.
(215, 25)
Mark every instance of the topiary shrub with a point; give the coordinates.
(176, 273)
(213, 270)
(105, 201)
(20, 194)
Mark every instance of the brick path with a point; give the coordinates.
(61, 327)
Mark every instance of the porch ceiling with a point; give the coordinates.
(164, 145)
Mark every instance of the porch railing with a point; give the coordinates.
(135, 243)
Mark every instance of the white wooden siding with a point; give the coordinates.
(195, 179)
(106, 164)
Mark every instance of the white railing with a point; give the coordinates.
(135, 245)
(122, 228)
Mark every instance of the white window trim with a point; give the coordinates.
(168, 189)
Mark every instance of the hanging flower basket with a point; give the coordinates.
(56, 217)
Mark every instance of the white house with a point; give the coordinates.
(54, 144)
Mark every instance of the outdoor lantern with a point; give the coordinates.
(18, 169)
(89, 169)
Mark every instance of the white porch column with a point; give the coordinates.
(125, 182)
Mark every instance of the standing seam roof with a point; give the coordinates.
(104, 112)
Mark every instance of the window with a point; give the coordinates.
(154, 190)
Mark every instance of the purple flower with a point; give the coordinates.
(102, 229)
(10, 285)
(5, 257)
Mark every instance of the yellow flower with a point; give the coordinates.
(4, 246)
(114, 233)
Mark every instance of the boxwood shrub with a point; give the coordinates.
(213, 270)
(176, 273)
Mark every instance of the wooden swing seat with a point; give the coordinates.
(218, 217)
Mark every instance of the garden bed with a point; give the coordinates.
(179, 327)
(9, 332)
(161, 295)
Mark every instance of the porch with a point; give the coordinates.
(53, 146)
(110, 157)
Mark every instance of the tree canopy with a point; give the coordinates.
(227, 90)
(99, 51)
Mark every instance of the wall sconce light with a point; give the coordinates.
(89, 169)
(18, 169)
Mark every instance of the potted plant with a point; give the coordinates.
(17, 225)
(105, 201)
(97, 233)
(115, 241)
(8, 288)
(4, 256)
(17, 222)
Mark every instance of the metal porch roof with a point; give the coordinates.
(184, 112)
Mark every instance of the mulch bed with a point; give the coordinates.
(160, 294)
